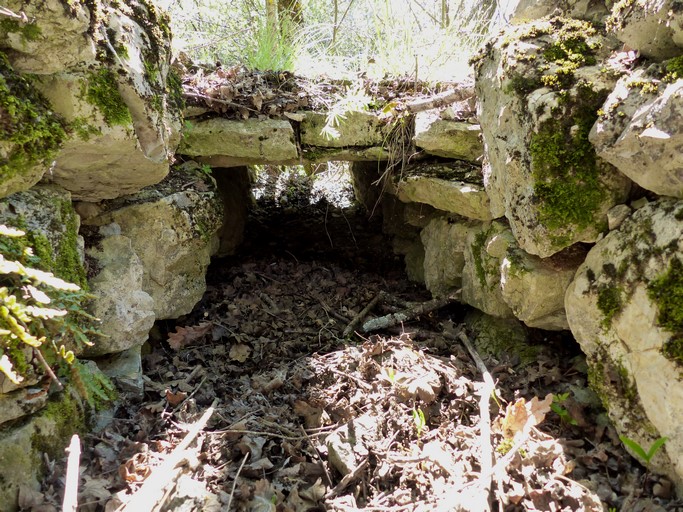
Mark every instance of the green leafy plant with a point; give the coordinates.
(40, 313)
(557, 408)
(639, 451)
(419, 420)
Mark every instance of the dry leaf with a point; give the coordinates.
(183, 336)
(240, 352)
(174, 399)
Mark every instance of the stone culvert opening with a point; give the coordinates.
(308, 411)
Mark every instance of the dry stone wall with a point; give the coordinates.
(557, 205)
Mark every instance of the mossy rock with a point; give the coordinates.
(30, 133)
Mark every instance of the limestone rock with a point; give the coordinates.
(481, 279)
(125, 370)
(641, 134)
(30, 132)
(534, 288)
(450, 139)
(46, 214)
(243, 142)
(173, 228)
(124, 115)
(589, 10)
(55, 37)
(535, 123)
(112, 152)
(624, 308)
(20, 403)
(413, 254)
(654, 28)
(451, 187)
(357, 129)
(506, 339)
(22, 447)
(126, 311)
(445, 242)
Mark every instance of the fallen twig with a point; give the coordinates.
(70, 502)
(440, 100)
(234, 482)
(346, 480)
(152, 489)
(408, 314)
(359, 317)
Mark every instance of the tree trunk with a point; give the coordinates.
(271, 16)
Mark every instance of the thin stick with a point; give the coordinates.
(70, 502)
(152, 489)
(359, 317)
(234, 482)
(441, 100)
(407, 314)
(47, 368)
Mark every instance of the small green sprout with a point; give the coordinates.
(640, 452)
(420, 421)
(558, 409)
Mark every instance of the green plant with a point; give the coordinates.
(273, 48)
(645, 456)
(557, 408)
(353, 99)
(39, 313)
(419, 420)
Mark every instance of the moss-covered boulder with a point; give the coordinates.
(625, 308)
(53, 36)
(123, 110)
(173, 228)
(30, 133)
(655, 29)
(540, 86)
(47, 433)
(481, 284)
(640, 132)
(51, 224)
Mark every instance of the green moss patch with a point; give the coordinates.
(667, 292)
(610, 303)
(28, 31)
(565, 166)
(103, 92)
(25, 121)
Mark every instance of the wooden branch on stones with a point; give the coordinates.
(441, 100)
(409, 313)
(152, 490)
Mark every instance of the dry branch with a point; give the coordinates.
(408, 314)
(152, 490)
(440, 100)
(359, 317)
(70, 502)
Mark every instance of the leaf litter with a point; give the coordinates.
(303, 418)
